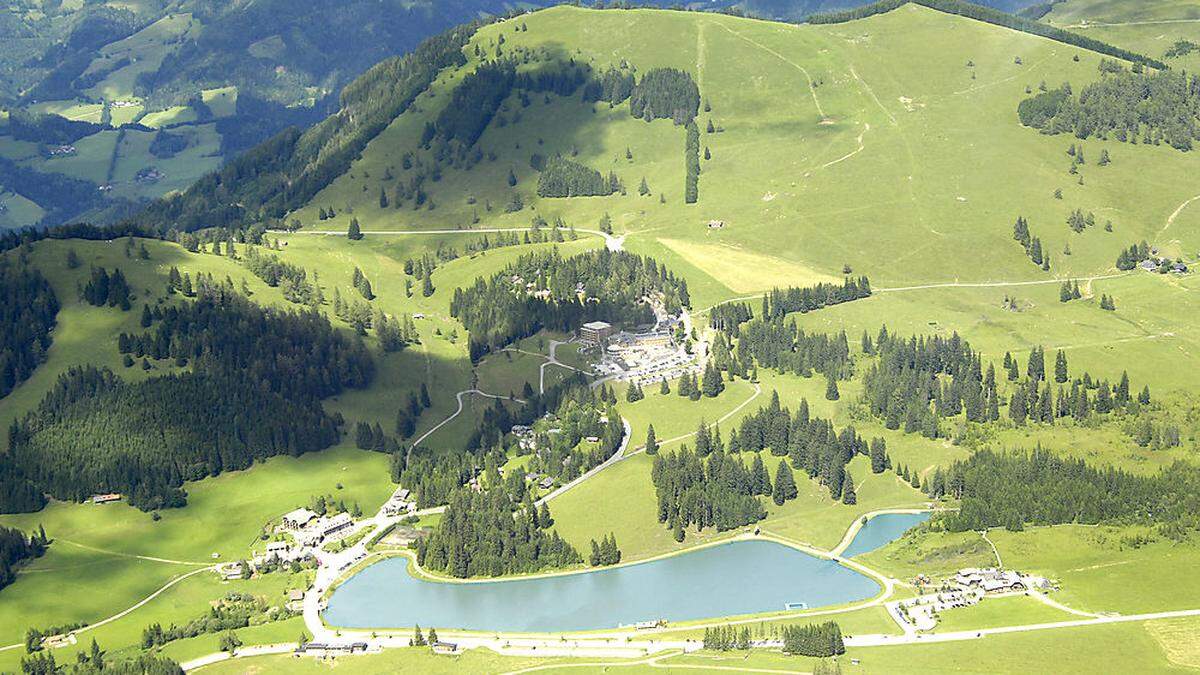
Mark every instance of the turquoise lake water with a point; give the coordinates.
(741, 577)
(881, 530)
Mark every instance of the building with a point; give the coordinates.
(106, 498)
(298, 519)
(991, 580)
(716, 224)
(440, 647)
(329, 527)
(595, 333)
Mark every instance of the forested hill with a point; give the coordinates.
(253, 390)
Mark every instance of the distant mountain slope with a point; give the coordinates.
(1163, 29)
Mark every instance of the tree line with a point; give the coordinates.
(1013, 489)
(28, 313)
(16, 547)
(284, 172)
(779, 302)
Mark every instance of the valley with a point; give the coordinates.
(894, 297)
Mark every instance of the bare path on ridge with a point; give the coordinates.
(1175, 214)
(811, 89)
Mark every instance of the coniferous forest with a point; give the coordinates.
(546, 290)
(494, 532)
(253, 390)
(1017, 488)
(28, 308)
(1131, 107)
(15, 547)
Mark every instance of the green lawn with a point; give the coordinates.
(225, 515)
(997, 612)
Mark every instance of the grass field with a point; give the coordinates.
(1150, 28)
(1099, 569)
(997, 612)
(869, 144)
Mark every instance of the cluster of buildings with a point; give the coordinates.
(966, 588)
(647, 355)
(310, 529)
(1163, 265)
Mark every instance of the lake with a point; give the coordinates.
(881, 530)
(742, 577)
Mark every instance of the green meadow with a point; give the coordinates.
(889, 145)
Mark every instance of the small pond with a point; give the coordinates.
(882, 530)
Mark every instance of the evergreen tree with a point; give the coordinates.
(651, 441)
(354, 232)
(849, 496)
(785, 484)
(831, 389)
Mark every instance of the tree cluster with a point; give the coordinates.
(545, 290)
(494, 532)
(104, 289)
(1032, 245)
(726, 638)
(28, 312)
(822, 639)
(665, 93)
(1151, 108)
(709, 489)
(563, 177)
(605, 552)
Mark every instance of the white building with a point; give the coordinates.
(298, 519)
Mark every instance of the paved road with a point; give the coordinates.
(613, 459)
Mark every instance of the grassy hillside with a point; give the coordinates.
(889, 145)
(1151, 28)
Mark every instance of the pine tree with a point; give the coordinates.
(831, 389)
(878, 455)
(418, 640)
(1060, 367)
(848, 494)
(785, 484)
(354, 233)
(651, 441)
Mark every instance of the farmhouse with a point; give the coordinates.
(440, 647)
(298, 519)
(106, 498)
(595, 333)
